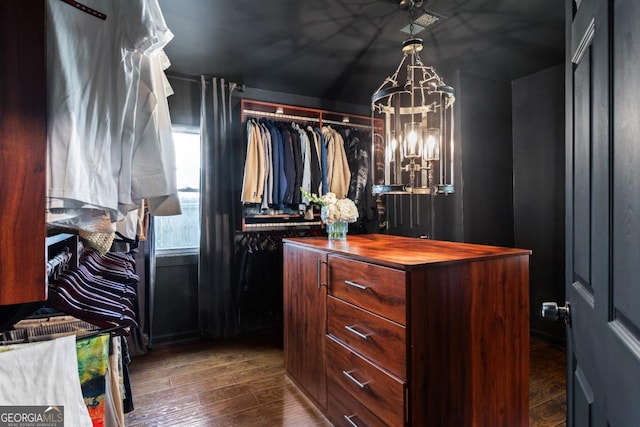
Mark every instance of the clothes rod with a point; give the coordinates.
(256, 113)
(350, 125)
(280, 116)
(281, 224)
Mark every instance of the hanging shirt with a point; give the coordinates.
(338, 173)
(289, 164)
(297, 157)
(305, 155)
(267, 196)
(277, 156)
(316, 171)
(168, 202)
(253, 180)
(93, 78)
(323, 160)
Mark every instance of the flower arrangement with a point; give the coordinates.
(334, 209)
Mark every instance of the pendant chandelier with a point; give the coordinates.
(417, 109)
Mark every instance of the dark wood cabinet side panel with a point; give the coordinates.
(501, 317)
(474, 367)
(22, 151)
(439, 341)
(305, 321)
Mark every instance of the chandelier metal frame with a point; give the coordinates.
(417, 108)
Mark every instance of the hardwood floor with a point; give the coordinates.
(547, 391)
(243, 383)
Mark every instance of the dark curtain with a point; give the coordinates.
(217, 313)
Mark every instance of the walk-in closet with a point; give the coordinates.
(322, 213)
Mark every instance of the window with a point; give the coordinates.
(182, 232)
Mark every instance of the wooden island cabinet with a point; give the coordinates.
(388, 330)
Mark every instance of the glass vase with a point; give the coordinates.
(337, 230)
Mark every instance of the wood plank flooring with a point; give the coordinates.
(243, 383)
(547, 391)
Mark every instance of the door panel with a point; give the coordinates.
(582, 171)
(603, 209)
(584, 399)
(626, 162)
(582, 289)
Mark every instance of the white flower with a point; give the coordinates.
(340, 210)
(334, 209)
(328, 199)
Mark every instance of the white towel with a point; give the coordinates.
(44, 373)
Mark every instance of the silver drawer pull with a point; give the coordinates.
(348, 418)
(352, 378)
(355, 285)
(353, 330)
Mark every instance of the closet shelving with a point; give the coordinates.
(63, 243)
(302, 115)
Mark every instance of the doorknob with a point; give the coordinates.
(551, 311)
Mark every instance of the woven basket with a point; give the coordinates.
(101, 242)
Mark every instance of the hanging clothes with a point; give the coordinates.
(93, 96)
(254, 174)
(305, 155)
(289, 164)
(267, 194)
(282, 157)
(93, 362)
(153, 175)
(258, 291)
(277, 153)
(44, 373)
(360, 187)
(338, 173)
(316, 165)
(324, 163)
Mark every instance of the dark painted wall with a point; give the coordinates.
(538, 145)
(487, 160)
(184, 104)
(175, 299)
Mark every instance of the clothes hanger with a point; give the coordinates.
(86, 9)
(107, 288)
(61, 300)
(75, 289)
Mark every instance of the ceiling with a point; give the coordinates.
(342, 50)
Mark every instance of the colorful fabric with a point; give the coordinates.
(93, 361)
